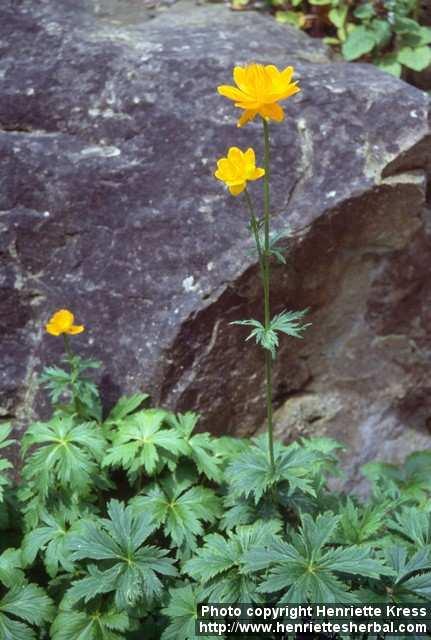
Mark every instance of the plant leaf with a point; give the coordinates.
(358, 42)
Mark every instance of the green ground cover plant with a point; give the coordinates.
(387, 33)
(123, 522)
(120, 527)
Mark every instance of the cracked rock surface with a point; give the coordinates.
(110, 126)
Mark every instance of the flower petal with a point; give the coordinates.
(289, 91)
(272, 112)
(248, 115)
(63, 319)
(240, 78)
(52, 329)
(231, 92)
(251, 105)
(227, 170)
(258, 173)
(224, 165)
(74, 329)
(250, 157)
(235, 190)
(287, 74)
(235, 156)
(272, 71)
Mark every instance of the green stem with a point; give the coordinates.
(254, 224)
(73, 371)
(266, 284)
(67, 348)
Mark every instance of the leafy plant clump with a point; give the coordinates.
(386, 33)
(121, 526)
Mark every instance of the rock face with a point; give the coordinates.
(110, 126)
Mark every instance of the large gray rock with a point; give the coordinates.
(110, 126)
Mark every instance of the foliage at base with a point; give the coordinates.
(121, 526)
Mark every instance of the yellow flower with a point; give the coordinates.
(62, 322)
(237, 168)
(258, 91)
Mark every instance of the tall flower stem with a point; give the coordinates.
(73, 370)
(254, 226)
(67, 348)
(266, 300)
(264, 273)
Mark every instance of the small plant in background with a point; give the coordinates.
(386, 33)
(81, 392)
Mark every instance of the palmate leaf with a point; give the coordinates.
(403, 566)
(410, 579)
(420, 585)
(68, 384)
(227, 448)
(300, 586)
(71, 505)
(287, 322)
(5, 430)
(353, 560)
(99, 582)
(216, 556)
(15, 630)
(179, 507)
(327, 450)
(21, 609)
(200, 446)
(328, 447)
(182, 611)
(361, 524)
(124, 408)
(141, 443)
(251, 472)
(129, 568)
(413, 478)
(11, 574)
(276, 238)
(413, 524)
(90, 625)
(50, 539)
(5, 465)
(239, 510)
(202, 453)
(56, 381)
(67, 454)
(218, 565)
(306, 570)
(276, 249)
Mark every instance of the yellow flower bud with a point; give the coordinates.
(62, 322)
(237, 168)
